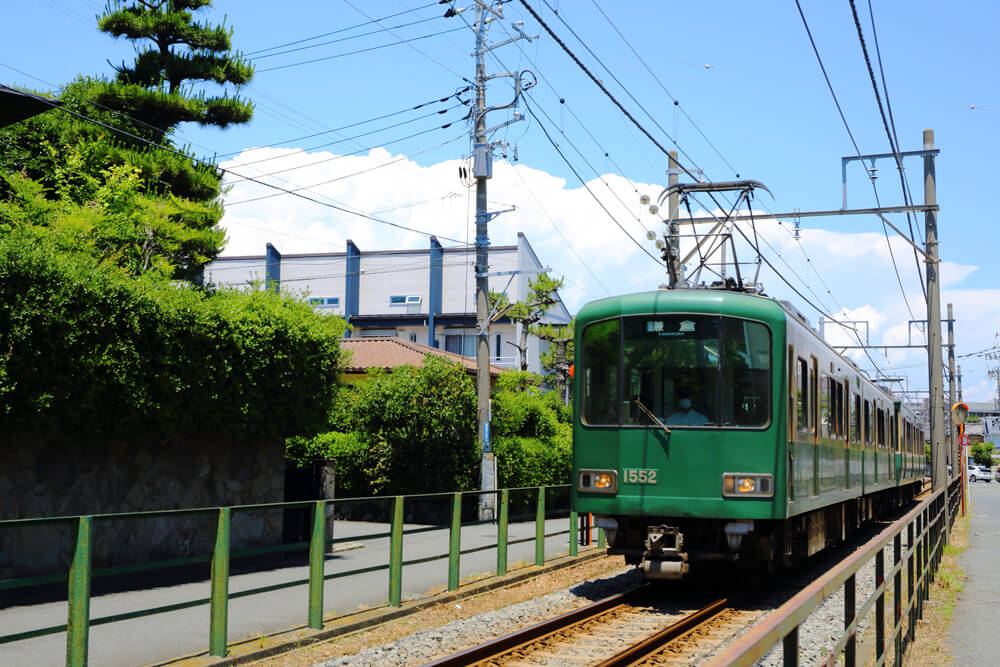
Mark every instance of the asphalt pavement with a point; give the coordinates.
(159, 637)
(975, 618)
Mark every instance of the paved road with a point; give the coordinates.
(974, 623)
(153, 638)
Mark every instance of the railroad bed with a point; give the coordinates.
(638, 627)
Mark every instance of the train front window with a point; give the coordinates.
(695, 371)
(599, 360)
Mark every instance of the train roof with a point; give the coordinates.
(723, 302)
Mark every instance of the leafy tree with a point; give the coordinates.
(982, 454)
(418, 425)
(558, 357)
(174, 53)
(541, 296)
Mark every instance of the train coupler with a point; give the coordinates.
(664, 557)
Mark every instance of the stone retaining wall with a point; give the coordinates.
(45, 477)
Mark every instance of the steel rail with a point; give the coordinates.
(638, 652)
(532, 633)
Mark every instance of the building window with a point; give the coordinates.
(324, 302)
(463, 344)
(404, 300)
(413, 338)
(498, 346)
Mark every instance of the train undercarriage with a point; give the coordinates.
(669, 547)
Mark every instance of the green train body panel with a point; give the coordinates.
(809, 471)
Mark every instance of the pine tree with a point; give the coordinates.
(175, 54)
(542, 295)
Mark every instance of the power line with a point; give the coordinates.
(337, 178)
(205, 163)
(344, 155)
(348, 38)
(359, 51)
(350, 125)
(334, 32)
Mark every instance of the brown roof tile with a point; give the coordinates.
(388, 352)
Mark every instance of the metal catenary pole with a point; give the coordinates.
(673, 205)
(934, 361)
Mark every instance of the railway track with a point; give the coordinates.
(631, 628)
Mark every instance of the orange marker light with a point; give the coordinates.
(572, 370)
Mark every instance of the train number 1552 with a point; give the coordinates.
(639, 476)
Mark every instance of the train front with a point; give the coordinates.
(678, 427)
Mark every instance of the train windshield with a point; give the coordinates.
(696, 371)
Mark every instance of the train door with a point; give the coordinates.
(813, 415)
(792, 428)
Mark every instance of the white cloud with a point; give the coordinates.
(847, 274)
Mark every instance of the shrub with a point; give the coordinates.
(84, 347)
(418, 423)
(347, 451)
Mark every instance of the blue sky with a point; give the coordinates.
(744, 72)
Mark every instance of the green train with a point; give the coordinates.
(714, 425)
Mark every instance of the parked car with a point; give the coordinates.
(980, 474)
(998, 474)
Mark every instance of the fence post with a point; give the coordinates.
(602, 540)
(850, 609)
(574, 538)
(219, 623)
(897, 612)
(791, 648)
(317, 562)
(396, 554)
(78, 617)
(502, 533)
(455, 542)
(880, 605)
(540, 528)
(911, 548)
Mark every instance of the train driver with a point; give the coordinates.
(686, 415)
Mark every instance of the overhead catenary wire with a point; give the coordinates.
(893, 138)
(847, 127)
(587, 187)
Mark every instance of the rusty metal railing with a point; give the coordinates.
(926, 527)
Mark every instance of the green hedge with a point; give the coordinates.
(86, 348)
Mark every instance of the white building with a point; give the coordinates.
(423, 296)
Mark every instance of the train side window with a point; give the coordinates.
(814, 397)
(856, 419)
(826, 407)
(880, 425)
(868, 424)
(802, 396)
(600, 354)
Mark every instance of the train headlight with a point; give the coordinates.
(747, 485)
(598, 481)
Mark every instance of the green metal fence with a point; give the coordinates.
(80, 572)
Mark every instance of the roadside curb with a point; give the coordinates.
(257, 648)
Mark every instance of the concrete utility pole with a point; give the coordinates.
(482, 169)
(952, 396)
(934, 361)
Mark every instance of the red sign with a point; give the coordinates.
(963, 440)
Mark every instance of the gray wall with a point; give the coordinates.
(45, 477)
